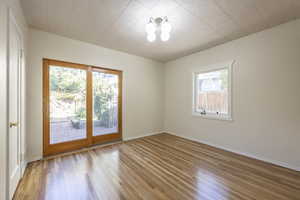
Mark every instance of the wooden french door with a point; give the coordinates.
(82, 106)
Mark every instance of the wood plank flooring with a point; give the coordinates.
(157, 167)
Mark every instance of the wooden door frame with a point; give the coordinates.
(50, 149)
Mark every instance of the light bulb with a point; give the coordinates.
(151, 37)
(150, 28)
(166, 27)
(165, 36)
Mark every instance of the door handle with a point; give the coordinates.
(13, 124)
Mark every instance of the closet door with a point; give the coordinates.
(14, 106)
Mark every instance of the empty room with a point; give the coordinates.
(150, 99)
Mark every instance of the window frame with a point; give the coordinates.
(207, 69)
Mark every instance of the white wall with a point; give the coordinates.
(265, 92)
(142, 84)
(15, 8)
(266, 96)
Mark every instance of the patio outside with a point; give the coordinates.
(63, 131)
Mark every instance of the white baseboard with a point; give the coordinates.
(278, 163)
(23, 167)
(34, 158)
(40, 157)
(143, 135)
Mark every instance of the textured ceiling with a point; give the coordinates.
(120, 24)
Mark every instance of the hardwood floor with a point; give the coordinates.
(157, 167)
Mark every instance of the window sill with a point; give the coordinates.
(213, 117)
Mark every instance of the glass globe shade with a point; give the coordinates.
(150, 28)
(151, 37)
(166, 27)
(165, 36)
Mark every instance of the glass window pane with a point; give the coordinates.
(212, 94)
(67, 104)
(105, 103)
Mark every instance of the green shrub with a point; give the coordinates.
(80, 113)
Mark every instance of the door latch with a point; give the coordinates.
(13, 124)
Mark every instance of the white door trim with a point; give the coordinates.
(3, 102)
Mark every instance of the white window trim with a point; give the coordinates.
(211, 68)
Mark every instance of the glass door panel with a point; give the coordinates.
(67, 91)
(105, 103)
(82, 106)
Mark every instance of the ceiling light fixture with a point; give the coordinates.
(151, 37)
(161, 25)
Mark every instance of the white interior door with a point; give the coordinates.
(14, 107)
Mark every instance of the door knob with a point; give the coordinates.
(13, 124)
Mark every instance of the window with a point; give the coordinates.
(212, 93)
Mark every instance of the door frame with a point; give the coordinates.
(51, 149)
